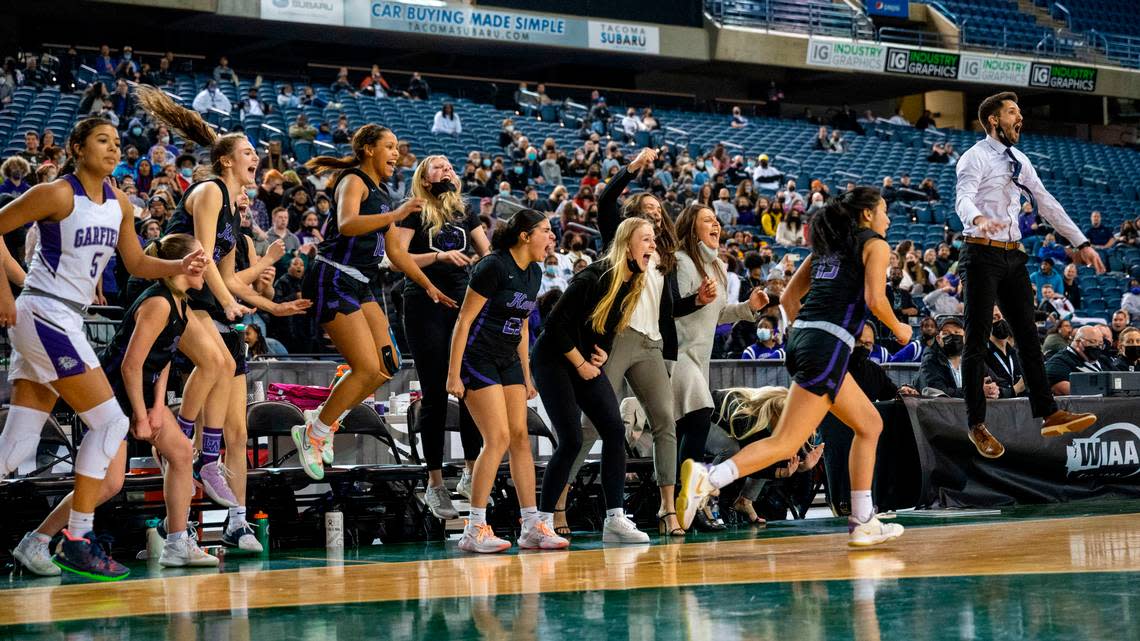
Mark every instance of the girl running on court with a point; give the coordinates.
(82, 220)
(339, 284)
(490, 370)
(828, 299)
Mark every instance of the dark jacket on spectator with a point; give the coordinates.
(1005, 370)
(872, 379)
(935, 372)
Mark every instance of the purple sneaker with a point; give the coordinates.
(215, 486)
(86, 558)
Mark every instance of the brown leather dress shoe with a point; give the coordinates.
(1062, 422)
(987, 445)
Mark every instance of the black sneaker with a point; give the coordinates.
(88, 559)
(242, 537)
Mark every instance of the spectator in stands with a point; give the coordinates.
(1046, 275)
(211, 98)
(738, 121)
(927, 187)
(293, 331)
(1071, 286)
(543, 99)
(899, 119)
(724, 209)
(930, 262)
(1002, 363)
(1100, 236)
(374, 84)
(135, 135)
(837, 144)
(128, 68)
(407, 159)
(252, 106)
(952, 154)
(1050, 249)
(286, 99)
(790, 232)
(573, 251)
(868, 373)
(550, 170)
(938, 154)
(944, 299)
(1054, 302)
(1120, 320)
(15, 169)
(128, 166)
(151, 230)
(1129, 347)
(901, 300)
(280, 231)
(7, 90)
(505, 204)
(144, 175)
(822, 141)
(766, 177)
(1130, 301)
(1082, 355)
(1128, 234)
(768, 345)
(418, 88)
(816, 205)
(941, 367)
(161, 77)
(649, 120)
(123, 103)
(773, 99)
(790, 196)
(301, 129)
(599, 117)
(223, 73)
(924, 121)
(631, 124)
(1058, 337)
(34, 75)
(446, 121)
(888, 190)
(104, 64)
(552, 276)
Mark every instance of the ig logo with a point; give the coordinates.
(821, 52)
(1041, 75)
(897, 60)
(971, 68)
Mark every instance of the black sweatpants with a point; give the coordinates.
(566, 396)
(992, 274)
(428, 327)
(692, 434)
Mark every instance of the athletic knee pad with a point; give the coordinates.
(107, 427)
(20, 437)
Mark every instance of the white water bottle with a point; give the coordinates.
(334, 530)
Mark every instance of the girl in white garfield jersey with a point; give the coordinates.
(82, 220)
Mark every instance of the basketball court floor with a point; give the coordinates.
(1048, 572)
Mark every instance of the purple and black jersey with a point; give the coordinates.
(511, 295)
(366, 251)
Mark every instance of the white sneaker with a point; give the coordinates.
(872, 532)
(539, 536)
(438, 500)
(185, 553)
(620, 529)
(463, 488)
(695, 487)
(34, 555)
(242, 537)
(327, 446)
(481, 539)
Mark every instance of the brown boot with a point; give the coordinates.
(987, 445)
(1063, 422)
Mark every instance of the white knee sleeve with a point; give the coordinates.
(107, 427)
(21, 435)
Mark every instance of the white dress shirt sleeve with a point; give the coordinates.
(1047, 205)
(969, 171)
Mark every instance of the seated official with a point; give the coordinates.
(1128, 343)
(1002, 361)
(941, 367)
(869, 375)
(1082, 355)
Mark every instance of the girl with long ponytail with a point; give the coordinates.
(826, 302)
(216, 348)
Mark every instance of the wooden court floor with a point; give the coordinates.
(1017, 576)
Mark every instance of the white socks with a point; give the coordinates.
(478, 516)
(615, 513)
(172, 537)
(862, 506)
(723, 474)
(530, 516)
(319, 429)
(80, 524)
(237, 518)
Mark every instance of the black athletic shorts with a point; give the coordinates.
(235, 343)
(334, 292)
(480, 371)
(817, 361)
(119, 388)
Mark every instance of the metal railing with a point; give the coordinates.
(917, 38)
(817, 17)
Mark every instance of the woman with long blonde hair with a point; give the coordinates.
(567, 361)
(441, 241)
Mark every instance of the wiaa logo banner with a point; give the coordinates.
(1111, 452)
(931, 64)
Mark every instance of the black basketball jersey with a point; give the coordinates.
(836, 295)
(364, 252)
(511, 294)
(229, 221)
(164, 346)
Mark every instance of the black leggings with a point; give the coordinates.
(428, 326)
(566, 396)
(692, 434)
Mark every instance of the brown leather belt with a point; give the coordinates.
(992, 243)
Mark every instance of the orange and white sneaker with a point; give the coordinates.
(539, 536)
(326, 449)
(309, 451)
(481, 539)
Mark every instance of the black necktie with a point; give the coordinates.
(1015, 168)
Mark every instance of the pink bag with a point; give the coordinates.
(305, 397)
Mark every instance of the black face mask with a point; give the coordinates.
(860, 353)
(633, 265)
(1092, 354)
(1001, 330)
(1132, 353)
(765, 259)
(895, 281)
(577, 246)
(952, 344)
(442, 187)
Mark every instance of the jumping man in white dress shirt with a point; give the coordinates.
(992, 178)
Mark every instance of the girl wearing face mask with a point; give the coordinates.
(440, 242)
(552, 277)
(768, 345)
(15, 170)
(698, 235)
(651, 338)
(310, 232)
